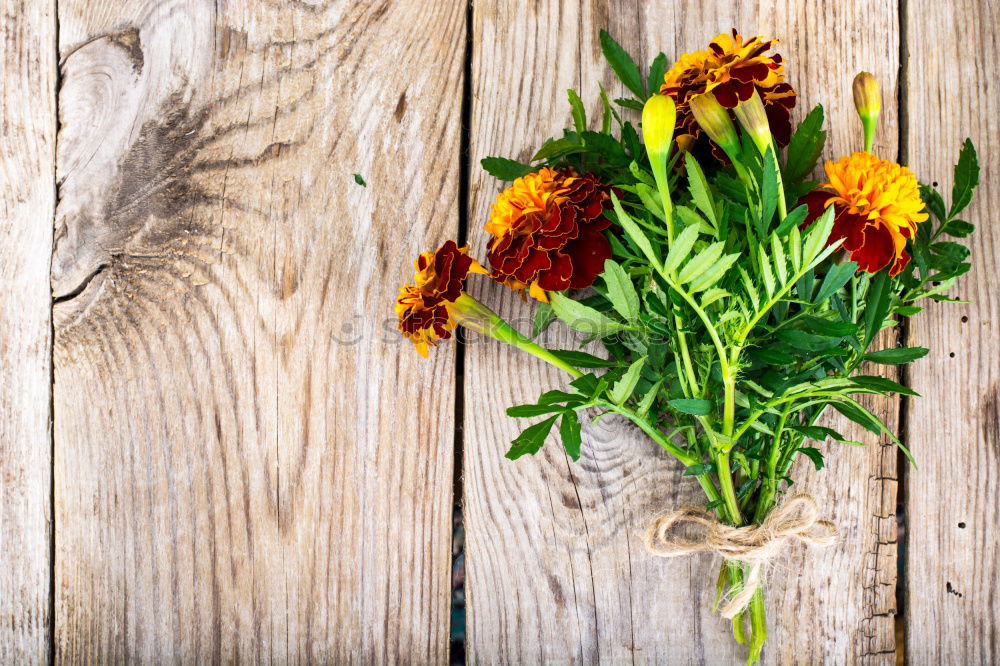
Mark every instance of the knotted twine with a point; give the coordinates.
(755, 545)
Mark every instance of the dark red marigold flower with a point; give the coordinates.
(877, 206)
(546, 232)
(424, 317)
(731, 69)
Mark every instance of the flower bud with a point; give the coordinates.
(659, 117)
(714, 120)
(868, 102)
(754, 121)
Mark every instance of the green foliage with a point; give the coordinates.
(622, 64)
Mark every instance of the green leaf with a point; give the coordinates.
(554, 147)
(359, 180)
(544, 315)
(629, 103)
(958, 228)
(579, 114)
(581, 317)
(879, 301)
(569, 431)
(795, 217)
(693, 406)
(932, 199)
(502, 168)
(966, 178)
(897, 356)
(817, 236)
(527, 411)
(621, 292)
(765, 272)
(714, 274)
(813, 454)
(623, 388)
(699, 469)
(701, 262)
(634, 232)
(622, 64)
(656, 71)
(882, 384)
(778, 250)
(680, 249)
(829, 326)
(836, 278)
(607, 113)
(700, 194)
(806, 145)
(531, 439)
(769, 190)
(647, 400)
(579, 359)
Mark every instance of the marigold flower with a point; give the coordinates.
(546, 232)
(731, 69)
(878, 207)
(423, 308)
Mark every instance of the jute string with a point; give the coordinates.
(755, 545)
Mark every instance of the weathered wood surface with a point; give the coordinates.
(953, 500)
(555, 565)
(249, 463)
(247, 469)
(27, 201)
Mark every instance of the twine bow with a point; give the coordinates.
(753, 544)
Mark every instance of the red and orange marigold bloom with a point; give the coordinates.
(546, 232)
(424, 317)
(878, 207)
(731, 69)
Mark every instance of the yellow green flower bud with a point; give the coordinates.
(659, 117)
(868, 102)
(753, 118)
(715, 121)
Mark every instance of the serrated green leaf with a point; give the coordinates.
(806, 146)
(579, 113)
(701, 262)
(527, 411)
(793, 220)
(650, 199)
(700, 193)
(680, 249)
(531, 439)
(649, 398)
(621, 292)
(607, 113)
(581, 317)
(882, 384)
(656, 71)
(544, 316)
(780, 264)
(769, 190)
(554, 147)
(569, 431)
(715, 273)
(813, 454)
(959, 228)
(633, 231)
(623, 388)
(879, 300)
(897, 356)
(622, 64)
(629, 103)
(699, 469)
(835, 279)
(766, 273)
(502, 168)
(817, 235)
(966, 178)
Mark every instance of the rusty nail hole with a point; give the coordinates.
(965, 318)
(961, 525)
(934, 183)
(951, 355)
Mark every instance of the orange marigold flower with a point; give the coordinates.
(731, 69)
(422, 308)
(546, 232)
(878, 207)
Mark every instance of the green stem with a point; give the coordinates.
(654, 433)
(758, 625)
(726, 487)
(663, 188)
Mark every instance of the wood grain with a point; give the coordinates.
(249, 465)
(27, 206)
(555, 568)
(953, 500)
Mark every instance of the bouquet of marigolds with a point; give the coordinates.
(733, 298)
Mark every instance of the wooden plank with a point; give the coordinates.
(238, 476)
(555, 566)
(27, 206)
(952, 567)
